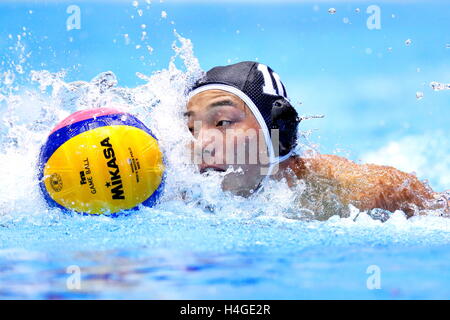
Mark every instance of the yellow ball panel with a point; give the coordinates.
(105, 170)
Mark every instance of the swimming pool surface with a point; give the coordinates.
(373, 86)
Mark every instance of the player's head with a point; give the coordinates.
(241, 118)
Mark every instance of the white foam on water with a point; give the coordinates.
(426, 155)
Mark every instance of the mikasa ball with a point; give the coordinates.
(101, 161)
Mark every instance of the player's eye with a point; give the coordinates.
(222, 123)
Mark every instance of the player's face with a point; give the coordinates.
(227, 135)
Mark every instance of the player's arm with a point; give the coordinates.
(368, 186)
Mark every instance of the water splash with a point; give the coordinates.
(30, 110)
(419, 95)
(199, 240)
(436, 86)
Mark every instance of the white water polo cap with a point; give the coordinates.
(265, 95)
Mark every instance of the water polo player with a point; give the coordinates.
(243, 123)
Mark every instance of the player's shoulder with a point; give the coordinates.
(325, 165)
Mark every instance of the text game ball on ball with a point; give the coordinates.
(101, 161)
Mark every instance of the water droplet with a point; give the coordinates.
(368, 51)
(332, 11)
(163, 14)
(393, 16)
(143, 26)
(135, 3)
(447, 46)
(19, 69)
(104, 81)
(419, 95)
(357, 10)
(408, 42)
(345, 20)
(8, 77)
(436, 86)
(127, 38)
(30, 11)
(140, 12)
(389, 49)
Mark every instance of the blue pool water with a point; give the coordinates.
(365, 82)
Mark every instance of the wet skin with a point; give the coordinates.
(332, 182)
(222, 124)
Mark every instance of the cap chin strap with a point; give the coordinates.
(273, 160)
(277, 161)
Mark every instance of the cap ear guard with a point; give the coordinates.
(285, 119)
